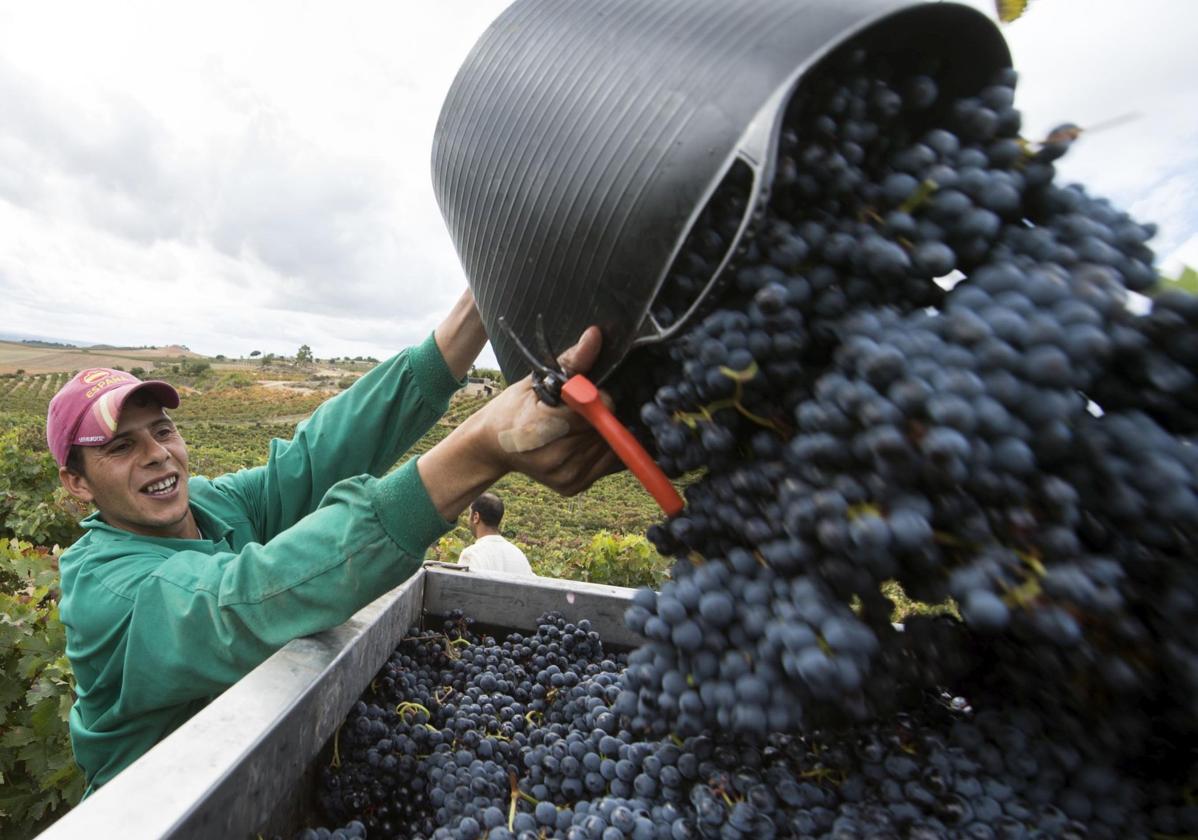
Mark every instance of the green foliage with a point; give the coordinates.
(303, 356)
(1185, 281)
(188, 372)
(234, 380)
(33, 505)
(490, 374)
(448, 549)
(614, 559)
(193, 368)
(29, 394)
(1010, 10)
(215, 448)
(39, 779)
(248, 403)
(555, 532)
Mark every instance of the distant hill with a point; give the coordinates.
(50, 357)
(34, 342)
(10, 335)
(168, 350)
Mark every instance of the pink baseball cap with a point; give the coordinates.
(86, 410)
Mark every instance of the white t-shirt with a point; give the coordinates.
(493, 553)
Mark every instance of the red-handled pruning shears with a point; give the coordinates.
(553, 387)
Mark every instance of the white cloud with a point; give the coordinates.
(1091, 62)
(1185, 254)
(241, 176)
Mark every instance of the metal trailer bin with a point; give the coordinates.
(244, 766)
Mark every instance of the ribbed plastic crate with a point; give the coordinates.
(244, 765)
(580, 142)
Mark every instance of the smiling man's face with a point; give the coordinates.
(138, 480)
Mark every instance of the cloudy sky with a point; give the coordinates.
(252, 176)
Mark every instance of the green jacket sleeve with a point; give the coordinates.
(363, 430)
(200, 622)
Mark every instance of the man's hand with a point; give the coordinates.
(569, 458)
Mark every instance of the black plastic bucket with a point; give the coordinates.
(581, 139)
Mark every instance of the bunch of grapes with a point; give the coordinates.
(929, 364)
(934, 366)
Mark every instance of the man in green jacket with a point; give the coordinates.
(181, 585)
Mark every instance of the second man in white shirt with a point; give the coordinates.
(490, 551)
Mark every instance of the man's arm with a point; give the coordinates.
(363, 430)
(461, 336)
(199, 622)
(473, 457)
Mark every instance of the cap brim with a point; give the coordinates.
(164, 392)
(98, 422)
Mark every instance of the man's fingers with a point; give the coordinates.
(581, 357)
(587, 464)
(606, 464)
(556, 446)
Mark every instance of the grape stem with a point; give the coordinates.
(707, 412)
(922, 193)
(336, 762)
(511, 814)
(408, 707)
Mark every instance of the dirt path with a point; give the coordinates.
(292, 385)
